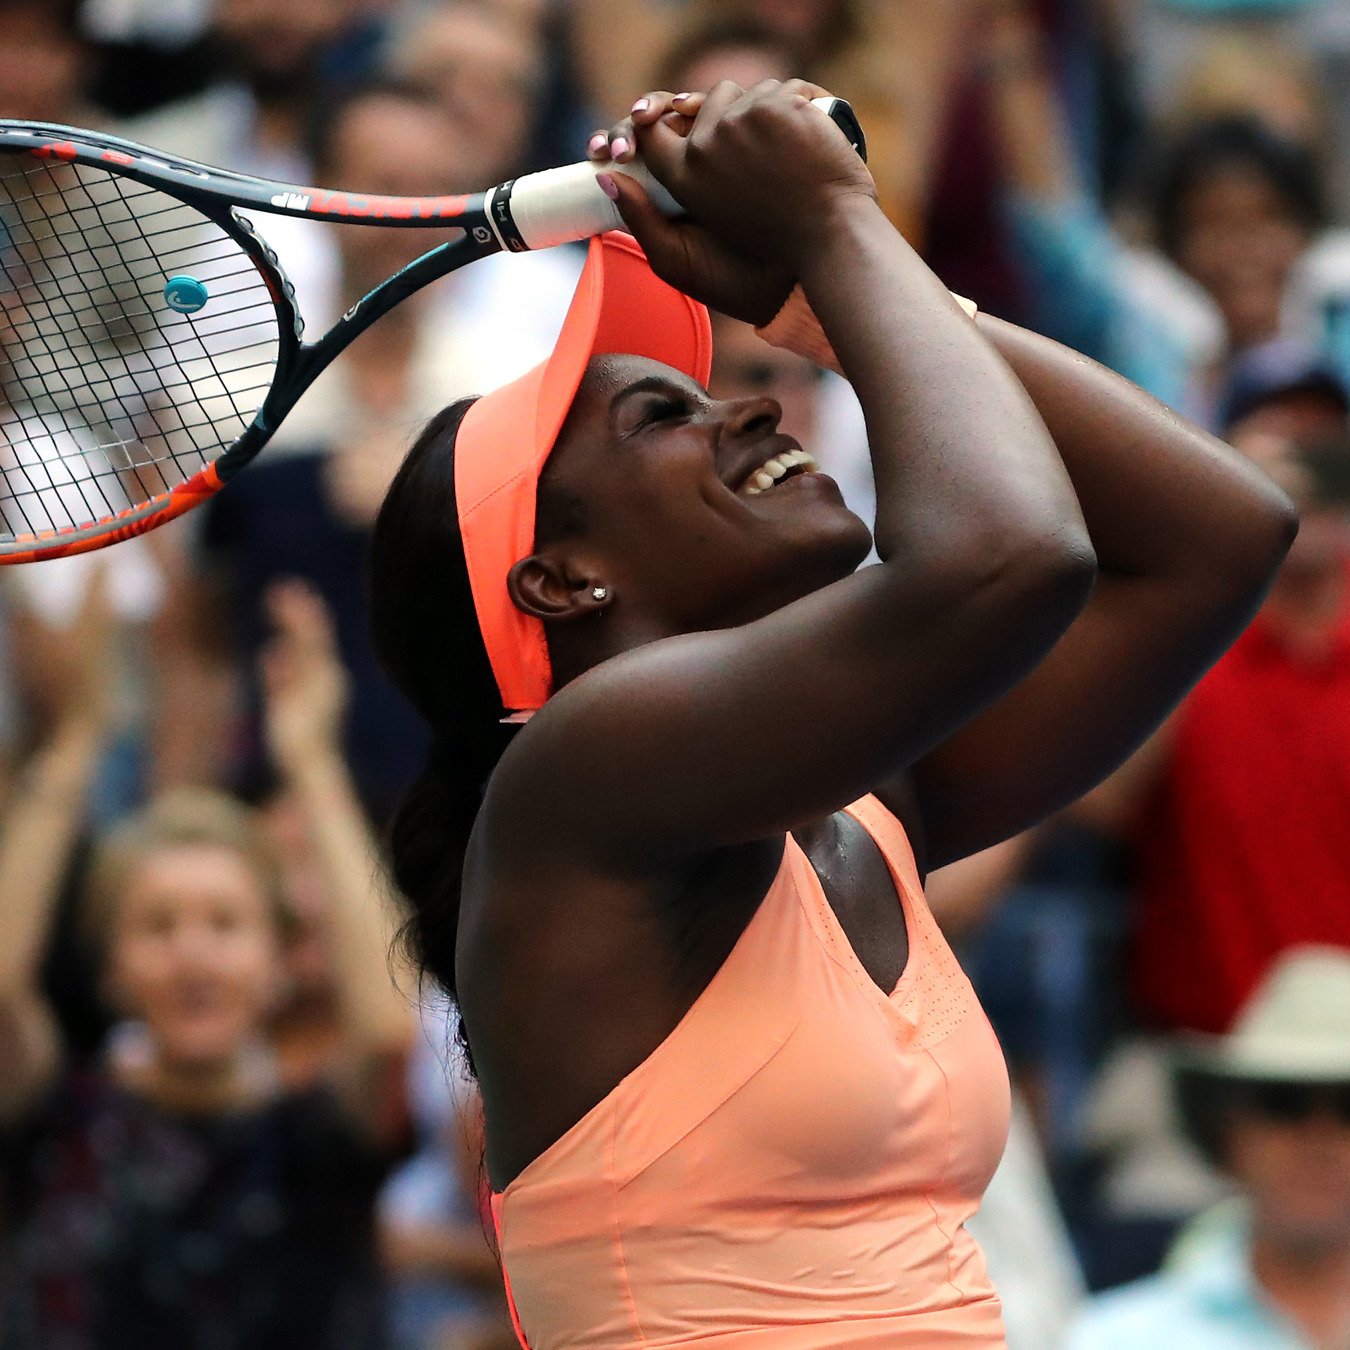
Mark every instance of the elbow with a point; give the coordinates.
(1039, 573)
(1056, 570)
(1280, 529)
(1261, 546)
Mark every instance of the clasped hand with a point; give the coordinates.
(761, 174)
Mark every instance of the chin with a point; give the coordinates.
(837, 544)
(200, 1047)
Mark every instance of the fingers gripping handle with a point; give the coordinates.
(560, 205)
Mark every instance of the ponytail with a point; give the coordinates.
(426, 635)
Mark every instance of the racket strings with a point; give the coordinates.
(107, 394)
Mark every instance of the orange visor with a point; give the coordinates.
(506, 437)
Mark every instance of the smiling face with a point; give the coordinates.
(195, 952)
(696, 513)
(1240, 238)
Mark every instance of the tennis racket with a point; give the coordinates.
(150, 344)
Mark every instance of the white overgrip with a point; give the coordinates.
(559, 205)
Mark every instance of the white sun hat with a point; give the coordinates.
(1294, 1028)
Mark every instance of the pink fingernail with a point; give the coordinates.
(619, 147)
(598, 141)
(642, 105)
(608, 186)
(681, 97)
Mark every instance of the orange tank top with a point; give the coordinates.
(792, 1167)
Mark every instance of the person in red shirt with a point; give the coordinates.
(1239, 808)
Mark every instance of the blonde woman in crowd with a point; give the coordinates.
(176, 1193)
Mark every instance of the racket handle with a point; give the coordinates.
(560, 205)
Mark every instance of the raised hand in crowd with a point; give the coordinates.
(69, 667)
(305, 689)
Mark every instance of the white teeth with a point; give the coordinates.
(773, 469)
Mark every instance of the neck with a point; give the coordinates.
(200, 1087)
(377, 363)
(1306, 606)
(578, 646)
(1310, 1281)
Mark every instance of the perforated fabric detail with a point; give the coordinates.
(939, 999)
(934, 996)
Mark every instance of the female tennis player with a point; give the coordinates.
(737, 1090)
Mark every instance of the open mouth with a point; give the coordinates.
(778, 469)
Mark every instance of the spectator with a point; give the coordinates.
(148, 52)
(256, 118)
(486, 68)
(738, 50)
(176, 1194)
(1171, 37)
(1127, 307)
(745, 366)
(1237, 207)
(338, 926)
(1271, 1104)
(306, 509)
(1235, 814)
(1237, 808)
(1238, 212)
(1238, 75)
(893, 59)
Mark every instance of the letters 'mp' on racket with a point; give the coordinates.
(150, 344)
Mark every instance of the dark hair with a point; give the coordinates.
(62, 15)
(1235, 142)
(426, 636)
(1206, 1103)
(718, 35)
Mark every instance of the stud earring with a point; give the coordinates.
(599, 593)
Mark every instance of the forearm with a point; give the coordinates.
(44, 816)
(956, 443)
(361, 900)
(1160, 497)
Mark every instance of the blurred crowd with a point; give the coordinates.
(232, 1117)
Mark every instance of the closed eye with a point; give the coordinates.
(664, 410)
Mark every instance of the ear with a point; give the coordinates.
(545, 588)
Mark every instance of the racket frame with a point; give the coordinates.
(216, 194)
(537, 211)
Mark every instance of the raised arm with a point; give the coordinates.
(39, 829)
(716, 737)
(1188, 536)
(306, 696)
